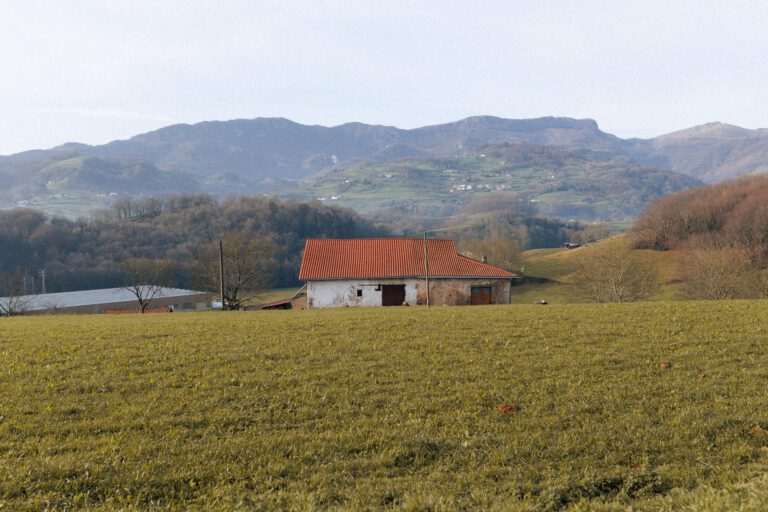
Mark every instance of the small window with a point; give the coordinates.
(359, 293)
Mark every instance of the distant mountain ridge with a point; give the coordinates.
(246, 156)
(279, 148)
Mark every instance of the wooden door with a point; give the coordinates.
(481, 295)
(392, 294)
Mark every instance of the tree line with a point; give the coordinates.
(173, 241)
(503, 235)
(722, 228)
(729, 214)
(180, 230)
(720, 233)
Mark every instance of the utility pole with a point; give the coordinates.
(426, 267)
(42, 277)
(221, 273)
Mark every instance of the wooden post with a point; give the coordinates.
(221, 273)
(426, 267)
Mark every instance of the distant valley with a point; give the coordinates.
(564, 167)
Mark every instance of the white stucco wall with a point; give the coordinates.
(329, 294)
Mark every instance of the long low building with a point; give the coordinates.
(398, 272)
(99, 301)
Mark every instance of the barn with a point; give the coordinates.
(112, 300)
(396, 272)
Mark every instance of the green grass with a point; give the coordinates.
(658, 405)
(71, 206)
(63, 203)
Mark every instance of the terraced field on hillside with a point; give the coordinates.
(557, 183)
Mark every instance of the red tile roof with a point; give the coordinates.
(361, 258)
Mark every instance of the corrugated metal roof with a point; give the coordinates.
(360, 258)
(275, 303)
(136, 311)
(93, 297)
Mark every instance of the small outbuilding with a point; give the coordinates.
(398, 272)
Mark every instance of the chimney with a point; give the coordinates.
(485, 259)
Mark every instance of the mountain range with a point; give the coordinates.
(275, 155)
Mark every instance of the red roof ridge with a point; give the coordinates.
(473, 260)
(393, 257)
(363, 239)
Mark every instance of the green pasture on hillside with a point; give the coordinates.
(586, 407)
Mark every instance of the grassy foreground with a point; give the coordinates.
(657, 405)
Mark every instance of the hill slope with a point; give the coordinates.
(549, 273)
(269, 155)
(580, 184)
(71, 183)
(712, 152)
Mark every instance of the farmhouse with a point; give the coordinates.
(395, 272)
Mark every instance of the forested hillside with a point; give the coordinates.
(722, 231)
(733, 213)
(182, 231)
(88, 253)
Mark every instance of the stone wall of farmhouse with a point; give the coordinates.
(458, 292)
(364, 292)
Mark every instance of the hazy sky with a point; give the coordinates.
(96, 70)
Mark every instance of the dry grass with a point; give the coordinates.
(550, 273)
(654, 405)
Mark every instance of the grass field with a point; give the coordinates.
(550, 273)
(590, 407)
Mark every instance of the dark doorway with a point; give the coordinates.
(481, 295)
(392, 294)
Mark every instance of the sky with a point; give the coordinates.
(92, 71)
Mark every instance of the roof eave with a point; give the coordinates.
(404, 277)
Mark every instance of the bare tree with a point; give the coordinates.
(761, 283)
(13, 300)
(718, 273)
(248, 265)
(145, 278)
(51, 306)
(616, 274)
(592, 233)
(500, 251)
